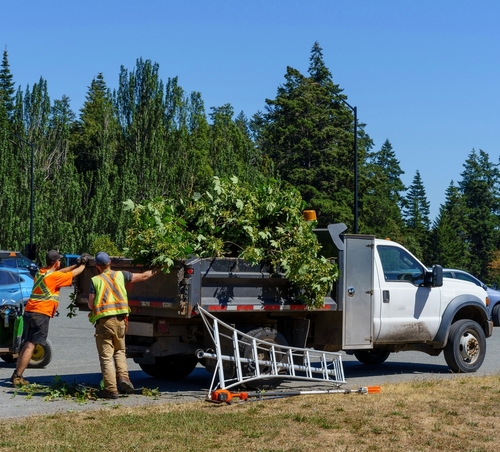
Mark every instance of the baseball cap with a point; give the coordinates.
(52, 257)
(102, 258)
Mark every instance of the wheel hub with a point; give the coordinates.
(469, 347)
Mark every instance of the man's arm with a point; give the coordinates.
(139, 277)
(90, 303)
(75, 269)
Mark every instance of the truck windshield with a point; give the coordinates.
(398, 265)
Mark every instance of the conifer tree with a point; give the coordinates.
(95, 149)
(382, 197)
(449, 232)
(480, 188)
(416, 218)
(308, 132)
(7, 88)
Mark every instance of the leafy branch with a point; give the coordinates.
(262, 224)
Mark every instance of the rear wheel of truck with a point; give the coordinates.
(374, 357)
(171, 367)
(42, 356)
(466, 346)
(263, 354)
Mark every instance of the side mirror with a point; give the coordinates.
(437, 276)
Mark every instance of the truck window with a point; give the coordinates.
(398, 265)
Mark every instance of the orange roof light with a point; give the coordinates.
(309, 215)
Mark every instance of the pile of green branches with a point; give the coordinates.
(261, 224)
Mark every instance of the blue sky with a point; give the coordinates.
(423, 74)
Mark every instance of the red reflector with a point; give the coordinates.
(217, 308)
(162, 326)
(245, 308)
(190, 271)
(272, 307)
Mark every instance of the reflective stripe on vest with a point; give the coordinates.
(40, 290)
(110, 295)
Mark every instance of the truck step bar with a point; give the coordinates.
(264, 361)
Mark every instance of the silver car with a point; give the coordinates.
(493, 295)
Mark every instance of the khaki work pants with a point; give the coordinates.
(110, 341)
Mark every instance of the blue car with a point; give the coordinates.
(15, 286)
(493, 295)
(15, 261)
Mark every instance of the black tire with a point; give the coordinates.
(246, 351)
(9, 358)
(42, 356)
(171, 367)
(374, 357)
(466, 347)
(495, 314)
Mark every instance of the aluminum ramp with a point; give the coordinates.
(264, 361)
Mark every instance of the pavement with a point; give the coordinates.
(75, 360)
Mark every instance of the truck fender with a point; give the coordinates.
(473, 304)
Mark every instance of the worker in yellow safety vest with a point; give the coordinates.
(108, 303)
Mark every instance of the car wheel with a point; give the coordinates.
(495, 314)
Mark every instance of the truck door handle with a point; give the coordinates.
(385, 296)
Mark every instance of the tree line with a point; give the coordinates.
(148, 138)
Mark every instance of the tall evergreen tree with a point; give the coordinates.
(480, 188)
(7, 88)
(449, 234)
(416, 217)
(95, 149)
(382, 197)
(309, 132)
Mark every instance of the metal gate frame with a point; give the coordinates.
(317, 365)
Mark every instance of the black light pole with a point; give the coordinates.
(32, 189)
(355, 111)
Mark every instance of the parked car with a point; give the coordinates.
(493, 295)
(16, 261)
(15, 286)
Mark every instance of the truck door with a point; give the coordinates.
(409, 312)
(356, 265)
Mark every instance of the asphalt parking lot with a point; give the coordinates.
(75, 360)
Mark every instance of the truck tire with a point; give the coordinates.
(246, 351)
(42, 356)
(374, 357)
(466, 347)
(171, 367)
(495, 314)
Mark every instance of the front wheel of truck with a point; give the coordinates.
(466, 346)
(373, 357)
(170, 367)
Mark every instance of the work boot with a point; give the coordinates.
(125, 386)
(104, 394)
(18, 380)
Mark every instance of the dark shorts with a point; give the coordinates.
(36, 328)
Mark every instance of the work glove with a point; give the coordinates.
(83, 259)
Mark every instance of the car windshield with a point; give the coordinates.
(8, 262)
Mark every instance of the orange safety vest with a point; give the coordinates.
(110, 295)
(42, 300)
